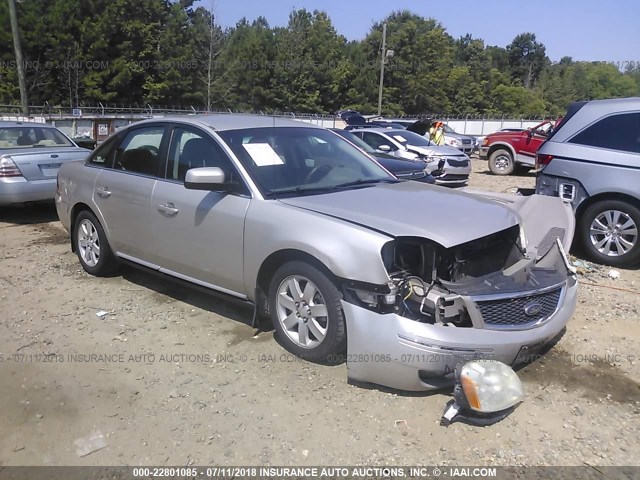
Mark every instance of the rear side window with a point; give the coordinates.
(617, 132)
(103, 155)
(139, 152)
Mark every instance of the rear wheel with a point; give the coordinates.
(92, 246)
(609, 233)
(306, 312)
(501, 162)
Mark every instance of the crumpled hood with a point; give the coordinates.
(414, 209)
(436, 151)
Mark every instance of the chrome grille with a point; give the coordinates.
(466, 141)
(511, 312)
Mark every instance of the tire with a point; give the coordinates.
(501, 162)
(616, 220)
(317, 337)
(92, 247)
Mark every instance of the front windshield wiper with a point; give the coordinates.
(303, 189)
(364, 182)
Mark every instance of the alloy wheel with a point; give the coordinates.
(613, 233)
(88, 243)
(302, 311)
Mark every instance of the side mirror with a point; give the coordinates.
(384, 148)
(207, 178)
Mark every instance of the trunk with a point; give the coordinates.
(42, 165)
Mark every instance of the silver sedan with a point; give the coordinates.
(406, 279)
(30, 155)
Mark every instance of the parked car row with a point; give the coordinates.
(338, 254)
(406, 139)
(310, 226)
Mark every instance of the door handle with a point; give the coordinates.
(168, 208)
(103, 192)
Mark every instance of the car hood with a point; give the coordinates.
(399, 165)
(415, 210)
(436, 150)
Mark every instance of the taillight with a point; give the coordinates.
(543, 159)
(8, 168)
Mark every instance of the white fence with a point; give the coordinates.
(470, 126)
(487, 126)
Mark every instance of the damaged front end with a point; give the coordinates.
(494, 297)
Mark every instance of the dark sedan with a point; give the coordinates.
(403, 169)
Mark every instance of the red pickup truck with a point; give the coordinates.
(509, 149)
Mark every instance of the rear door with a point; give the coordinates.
(123, 192)
(199, 235)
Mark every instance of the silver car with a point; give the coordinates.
(592, 160)
(407, 279)
(448, 165)
(30, 155)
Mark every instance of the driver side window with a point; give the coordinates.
(192, 149)
(139, 152)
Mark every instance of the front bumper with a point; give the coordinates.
(483, 153)
(14, 190)
(453, 171)
(400, 353)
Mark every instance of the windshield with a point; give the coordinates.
(410, 138)
(357, 141)
(448, 129)
(301, 160)
(27, 136)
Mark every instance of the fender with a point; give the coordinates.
(509, 147)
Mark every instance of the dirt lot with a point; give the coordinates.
(178, 377)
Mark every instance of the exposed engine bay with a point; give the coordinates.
(431, 284)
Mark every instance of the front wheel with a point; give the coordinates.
(501, 163)
(92, 246)
(609, 233)
(306, 312)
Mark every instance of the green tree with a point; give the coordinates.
(527, 59)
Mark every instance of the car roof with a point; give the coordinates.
(590, 112)
(232, 121)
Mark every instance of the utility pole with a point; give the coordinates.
(19, 59)
(382, 60)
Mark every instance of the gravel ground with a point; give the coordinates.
(178, 377)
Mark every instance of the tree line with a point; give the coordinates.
(163, 52)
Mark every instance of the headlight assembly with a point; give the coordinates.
(486, 391)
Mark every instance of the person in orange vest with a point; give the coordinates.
(436, 133)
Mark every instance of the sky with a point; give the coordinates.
(586, 30)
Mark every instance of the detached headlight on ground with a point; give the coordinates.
(486, 391)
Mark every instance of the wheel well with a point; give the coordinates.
(275, 261)
(500, 146)
(602, 197)
(75, 211)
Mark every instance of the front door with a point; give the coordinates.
(200, 234)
